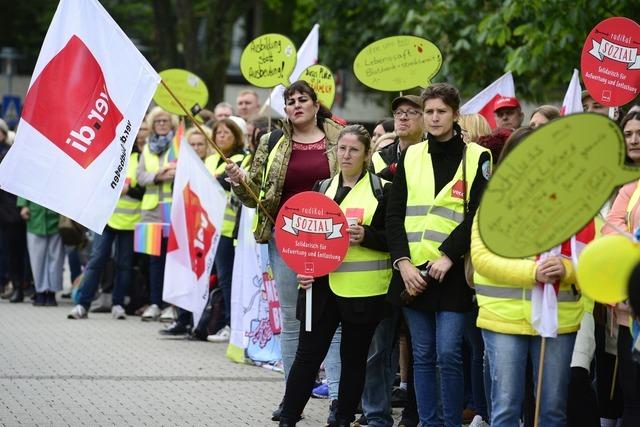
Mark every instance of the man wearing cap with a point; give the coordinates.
(409, 128)
(507, 113)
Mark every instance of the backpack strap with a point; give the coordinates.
(376, 186)
(274, 137)
(324, 185)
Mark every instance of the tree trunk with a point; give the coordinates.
(166, 52)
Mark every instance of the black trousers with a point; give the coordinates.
(628, 379)
(312, 349)
(15, 237)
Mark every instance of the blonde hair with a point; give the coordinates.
(155, 111)
(208, 134)
(475, 125)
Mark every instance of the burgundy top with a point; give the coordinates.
(308, 163)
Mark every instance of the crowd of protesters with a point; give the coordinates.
(398, 323)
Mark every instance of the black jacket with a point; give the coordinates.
(390, 156)
(453, 293)
(354, 310)
(9, 211)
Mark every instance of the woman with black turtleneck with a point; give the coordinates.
(435, 194)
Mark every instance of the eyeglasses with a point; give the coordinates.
(161, 122)
(412, 114)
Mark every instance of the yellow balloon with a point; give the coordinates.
(604, 268)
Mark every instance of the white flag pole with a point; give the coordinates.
(307, 317)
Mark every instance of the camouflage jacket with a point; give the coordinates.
(275, 176)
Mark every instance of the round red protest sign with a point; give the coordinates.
(311, 234)
(610, 63)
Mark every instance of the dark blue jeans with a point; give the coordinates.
(473, 338)
(436, 338)
(100, 254)
(224, 269)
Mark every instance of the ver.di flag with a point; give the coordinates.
(483, 102)
(88, 94)
(197, 211)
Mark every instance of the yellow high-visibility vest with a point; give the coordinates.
(127, 212)
(429, 220)
(156, 193)
(364, 272)
(212, 164)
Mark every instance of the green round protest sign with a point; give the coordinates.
(398, 63)
(320, 78)
(268, 60)
(186, 86)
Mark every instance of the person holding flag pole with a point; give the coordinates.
(527, 307)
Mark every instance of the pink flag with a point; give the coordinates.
(88, 94)
(197, 212)
(572, 102)
(482, 103)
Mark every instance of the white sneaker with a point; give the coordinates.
(168, 315)
(78, 312)
(151, 313)
(221, 336)
(117, 312)
(478, 422)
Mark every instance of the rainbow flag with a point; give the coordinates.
(147, 237)
(177, 140)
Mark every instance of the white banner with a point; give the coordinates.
(307, 56)
(197, 213)
(255, 307)
(88, 94)
(611, 50)
(572, 102)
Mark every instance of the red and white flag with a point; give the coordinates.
(483, 102)
(197, 212)
(572, 102)
(544, 296)
(88, 94)
(307, 56)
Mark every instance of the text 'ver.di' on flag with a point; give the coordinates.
(88, 94)
(197, 212)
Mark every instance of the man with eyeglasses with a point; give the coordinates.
(409, 128)
(376, 397)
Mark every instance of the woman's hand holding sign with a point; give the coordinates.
(356, 234)
(305, 281)
(234, 173)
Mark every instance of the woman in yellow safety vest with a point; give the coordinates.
(504, 288)
(230, 140)
(625, 216)
(436, 182)
(156, 172)
(353, 296)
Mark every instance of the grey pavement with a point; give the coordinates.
(101, 371)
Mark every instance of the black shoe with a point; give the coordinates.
(285, 423)
(50, 299)
(275, 415)
(398, 397)
(39, 299)
(341, 423)
(17, 295)
(176, 328)
(333, 412)
(362, 421)
(408, 422)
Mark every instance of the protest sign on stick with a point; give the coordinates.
(312, 238)
(186, 86)
(321, 80)
(610, 63)
(398, 63)
(552, 184)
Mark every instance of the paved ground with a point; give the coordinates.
(100, 371)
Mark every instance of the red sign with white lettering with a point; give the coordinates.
(69, 104)
(311, 234)
(610, 63)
